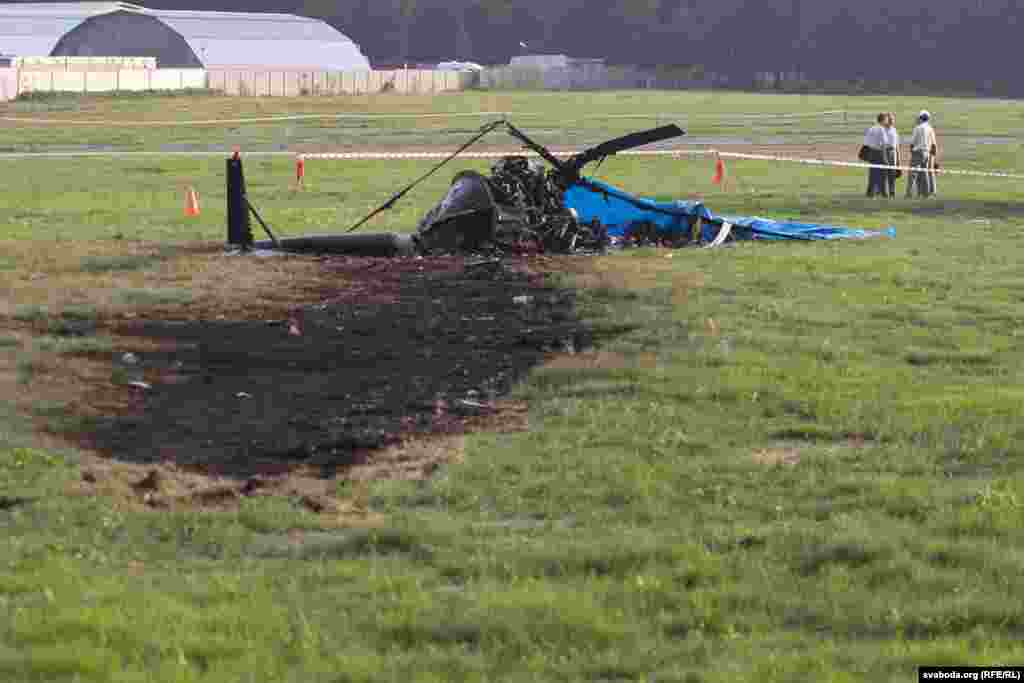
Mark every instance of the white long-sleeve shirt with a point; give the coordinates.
(891, 137)
(875, 137)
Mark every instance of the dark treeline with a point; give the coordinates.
(948, 41)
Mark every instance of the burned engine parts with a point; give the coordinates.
(518, 207)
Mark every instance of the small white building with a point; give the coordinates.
(553, 61)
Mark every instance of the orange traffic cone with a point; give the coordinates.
(719, 176)
(191, 202)
(300, 172)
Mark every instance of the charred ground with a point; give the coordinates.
(406, 347)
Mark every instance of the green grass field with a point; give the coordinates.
(804, 463)
(126, 123)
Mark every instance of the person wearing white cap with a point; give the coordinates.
(922, 146)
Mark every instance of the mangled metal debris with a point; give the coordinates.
(525, 206)
(518, 207)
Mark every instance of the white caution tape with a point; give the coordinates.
(430, 155)
(652, 152)
(366, 156)
(495, 154)
(259, 119)
(126, 154)
(846, 164)
(426, 115)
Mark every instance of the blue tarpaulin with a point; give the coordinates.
(621, 212)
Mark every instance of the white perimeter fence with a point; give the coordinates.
(231, 81)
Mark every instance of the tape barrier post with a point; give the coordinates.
(239, 228)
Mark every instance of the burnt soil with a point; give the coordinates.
(402, 347)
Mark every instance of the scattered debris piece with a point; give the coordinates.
(522, 300)
(129, 358)
(151, 482)
(216, 494)
(471, 404)
(312, 503)
(11, 502)
(243, 394)
(251, 485)
(140, 385)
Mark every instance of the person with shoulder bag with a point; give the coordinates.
(872, 152)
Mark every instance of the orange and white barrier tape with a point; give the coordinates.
(846, 164)
(369, 156)
(657, 152)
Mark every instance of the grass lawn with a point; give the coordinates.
(802, 462)
(560, 119)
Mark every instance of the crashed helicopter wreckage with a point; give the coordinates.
(523, 207)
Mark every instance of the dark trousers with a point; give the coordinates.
(876, 176)
(890, 174)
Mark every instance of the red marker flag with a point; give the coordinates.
(300, 169)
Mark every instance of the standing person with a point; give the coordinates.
(874, 140)
(934, 164)
(922, 142)
(891, 152)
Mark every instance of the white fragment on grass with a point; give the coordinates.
(471, 404)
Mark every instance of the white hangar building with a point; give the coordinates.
(176, 38)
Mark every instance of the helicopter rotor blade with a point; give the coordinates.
(621, 144)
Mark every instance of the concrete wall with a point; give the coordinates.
(581, 77)
(540, 61)
(589, 76)
(292, 83)
(109, 81)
